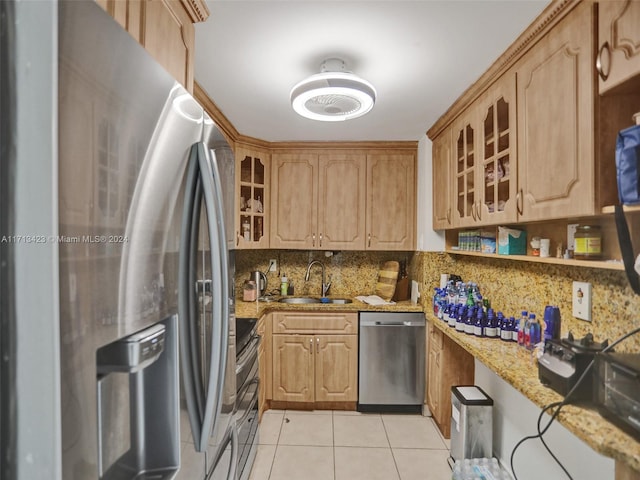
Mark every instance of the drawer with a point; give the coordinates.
(315, 322)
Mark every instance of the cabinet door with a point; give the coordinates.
(336, 365)
(341, 201)
(441, 160)
(497, 163)
(465, 156)
(619, 40)
(555, 94)
(391, 199)
(262, 375)
(293, 368)
(434, 377)
(168, 34)
(253, 180)
(294, 210)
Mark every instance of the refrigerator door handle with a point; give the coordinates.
(186, 297)
(212, 190)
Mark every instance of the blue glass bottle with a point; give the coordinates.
(479, 324)
(469, 321)
(491, 324)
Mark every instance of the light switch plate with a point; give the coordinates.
(581, 300)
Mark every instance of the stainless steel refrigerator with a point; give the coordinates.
(145, 183)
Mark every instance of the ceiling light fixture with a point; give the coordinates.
(333, 95)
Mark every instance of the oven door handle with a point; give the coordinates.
(249, 352)
(254, 398)
(231, 437)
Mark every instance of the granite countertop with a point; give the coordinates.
(517, 366)
(257, 309)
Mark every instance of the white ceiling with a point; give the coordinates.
(419, 55)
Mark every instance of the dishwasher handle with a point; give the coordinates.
(392, 323)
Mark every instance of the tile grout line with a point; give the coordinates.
(395, 463)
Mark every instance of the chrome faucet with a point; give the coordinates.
(325, 285)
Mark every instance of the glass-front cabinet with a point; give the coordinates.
(484, 163)
(464, 149)
(252, 198)
(498, 155)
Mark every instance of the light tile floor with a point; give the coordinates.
(335, 445)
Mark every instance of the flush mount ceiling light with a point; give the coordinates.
(333, 95)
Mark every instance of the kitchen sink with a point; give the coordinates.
(340, 301)
(299, 300)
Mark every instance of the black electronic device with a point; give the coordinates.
(563, 363)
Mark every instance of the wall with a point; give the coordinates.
(427, 238)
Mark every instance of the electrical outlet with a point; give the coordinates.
(581, 300)
(273, 265)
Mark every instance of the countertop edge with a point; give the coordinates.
(511, 363)
(257, 309)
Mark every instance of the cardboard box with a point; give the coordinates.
(488, 242)
(511, 241)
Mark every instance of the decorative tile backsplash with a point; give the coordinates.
(350, 273)
(510, 285)
(513, 286)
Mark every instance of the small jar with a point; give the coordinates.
(246, 231)
(588, 242)
(249, 291)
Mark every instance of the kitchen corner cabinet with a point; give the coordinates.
(618, 57)
(391, 201)
(315, 357)
(253, 184)
(318, 201)
(448, 365)
(556, 129)
(164, 28)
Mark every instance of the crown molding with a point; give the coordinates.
(549, 17)
(196, 9)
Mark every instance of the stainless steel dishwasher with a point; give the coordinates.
(391, 361)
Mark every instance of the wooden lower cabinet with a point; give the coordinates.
(314, 359)
(315, 368)
(448, 365)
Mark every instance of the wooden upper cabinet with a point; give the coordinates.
(391, 200)
(165, 28)
(252, 202)
(555, 95)
(341, 201)
(441, 162)
(318, 201)
(619, 43)
(465, 159)
(497, 156)
(483, 168)
(294, 193)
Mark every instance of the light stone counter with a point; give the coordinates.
(257, 309)
(518, 367)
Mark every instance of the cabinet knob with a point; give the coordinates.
(369, 240)
(237, 238)
(317, 344)
(603, 61)
(313, 239)
(473, 210)
(321, 239)
(311, 346)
